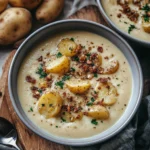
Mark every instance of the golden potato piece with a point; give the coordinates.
(50, 104)
(107, 93)
(112, 68)
(78, 86)
(98, 112)
(71, 117)
(146, 26)
(67, 47)
(43, 84)
(60, 65)
(98, 61)
(31, 4)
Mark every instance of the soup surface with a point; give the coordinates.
(74, 84)
(131, 17)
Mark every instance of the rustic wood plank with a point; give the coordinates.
(27, 139)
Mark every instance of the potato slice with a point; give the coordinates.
(146, 26)
(71, 117)
(60, 65)
(112, 68)
(98, 112)
(78, 86)
(67, 47)
(50, 104)
(107, 93)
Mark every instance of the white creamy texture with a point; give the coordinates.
(84, 128)
(123, 23)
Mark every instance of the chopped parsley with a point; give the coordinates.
(56, 126)
(63, 120)
(146, 8)
(91, 102)
(88, 55)
(75, 58)
(95, 75)
(40, 91)
(72, 39)
(31, 109)
(118, 84)
(66, 77)
(41, 72)
(58, 55)
(92, 99)
(131, 27)
(146, 18)
(93, 121)
(60, 84)
(72, 69)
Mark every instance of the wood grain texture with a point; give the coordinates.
(27, 139)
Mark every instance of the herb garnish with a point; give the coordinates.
(58, 55)
(66, 77)
(95, 75)
(72, 69)
(88, 55)
(64, 120)
(91, 102)
(72, 39)
(50, 105)
(31, 109)
(75, 58)
(93, 121)
(56, 126)
(40, 91)
(146, 18)
(41, 72)
(60, 83)
(131, 28)
(146, 8)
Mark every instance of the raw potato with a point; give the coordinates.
(15, 23)
(60, 65)
(49, 10)
(16, 3)
(146, 26)
(67, 47)
(3, 5)
(98, 112)
(29, 4)
(50, 104)
(78, 86)
(107, 93)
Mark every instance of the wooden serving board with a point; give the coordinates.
(26, 138)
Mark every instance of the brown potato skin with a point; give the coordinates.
(49, 10)
(28, 4)
(15, 23)
(16, 3)
(3, 5)
(31, 4)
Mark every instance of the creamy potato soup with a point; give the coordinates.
(131, 16)
(75, 84)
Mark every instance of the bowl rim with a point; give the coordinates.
(113, 25)
(63, 141)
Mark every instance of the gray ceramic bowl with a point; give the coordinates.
(69, 25)
(114, 26)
